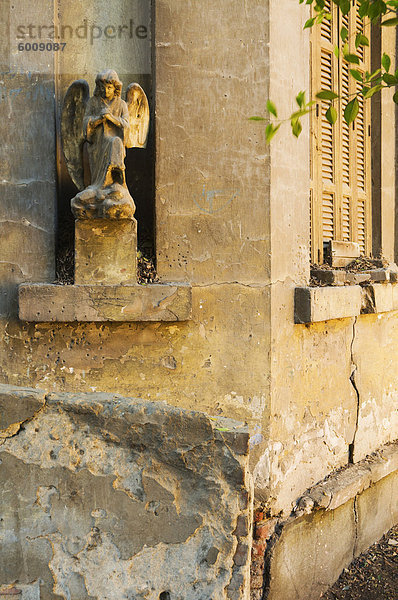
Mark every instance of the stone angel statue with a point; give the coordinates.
(107, 124)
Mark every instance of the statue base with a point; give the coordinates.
(111, 202)
(105, 251)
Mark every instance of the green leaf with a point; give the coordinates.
(272, 108)
(309, 23)
(345, 6)
(363, 9)
(270, 131)
(390, 79)
(356, 74)
(376, 9)
(351, 111)
(386, 62)
(390, 22)
(374, 74)
(372, 91)
(336, 51)
(257, 119)
(296, 127)
(299, 113)
(331, 115)
(395, 97)
(361, 40)
(352, 58)
(300, 99)
(327, 95)
(344, 33)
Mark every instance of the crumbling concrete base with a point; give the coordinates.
(334, 522)
(113, 498)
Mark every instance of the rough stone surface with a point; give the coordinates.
(105, 251)
(120, 496)
(46, 303)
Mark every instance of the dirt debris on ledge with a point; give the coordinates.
(146, 271)
(371, 576)
(360, 271)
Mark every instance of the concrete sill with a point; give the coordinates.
(353, 480)
(314, 304)
(42, 302)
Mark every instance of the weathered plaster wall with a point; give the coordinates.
(332, 384)
(110, 497)
(232, 219)
(212, 230)
(27, 171)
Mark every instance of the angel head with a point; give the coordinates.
(108, 85)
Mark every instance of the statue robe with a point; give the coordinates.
(106, 147)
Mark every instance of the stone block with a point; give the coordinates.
(377, 299)
(394, 296)
(377, 511)
(311, 553)
(105, 251)
(66, 303)
(329, 276)
(312, 304)
(379, 275)
(357, 278)
(342, 253)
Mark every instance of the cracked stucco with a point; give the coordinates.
(128, 497)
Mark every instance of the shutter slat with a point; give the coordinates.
(346, 219)
(326, 25)
(361, 151)
(345, 129)
(328, 216)
(327, 131)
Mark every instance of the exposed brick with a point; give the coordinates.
(256, 594)
(264, 529)
(258, 516)
(256, 582)
(258, 548)
(257, 567)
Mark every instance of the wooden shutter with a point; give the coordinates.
(340, 154)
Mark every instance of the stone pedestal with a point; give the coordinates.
(105, 251)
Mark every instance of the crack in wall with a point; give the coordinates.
(355, 508)
(354, 367)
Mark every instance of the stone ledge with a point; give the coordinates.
(351, 481)
(314, 304)
(69, 303)
(379, 298)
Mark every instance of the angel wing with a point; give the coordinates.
(72, 134)
(138, 106)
